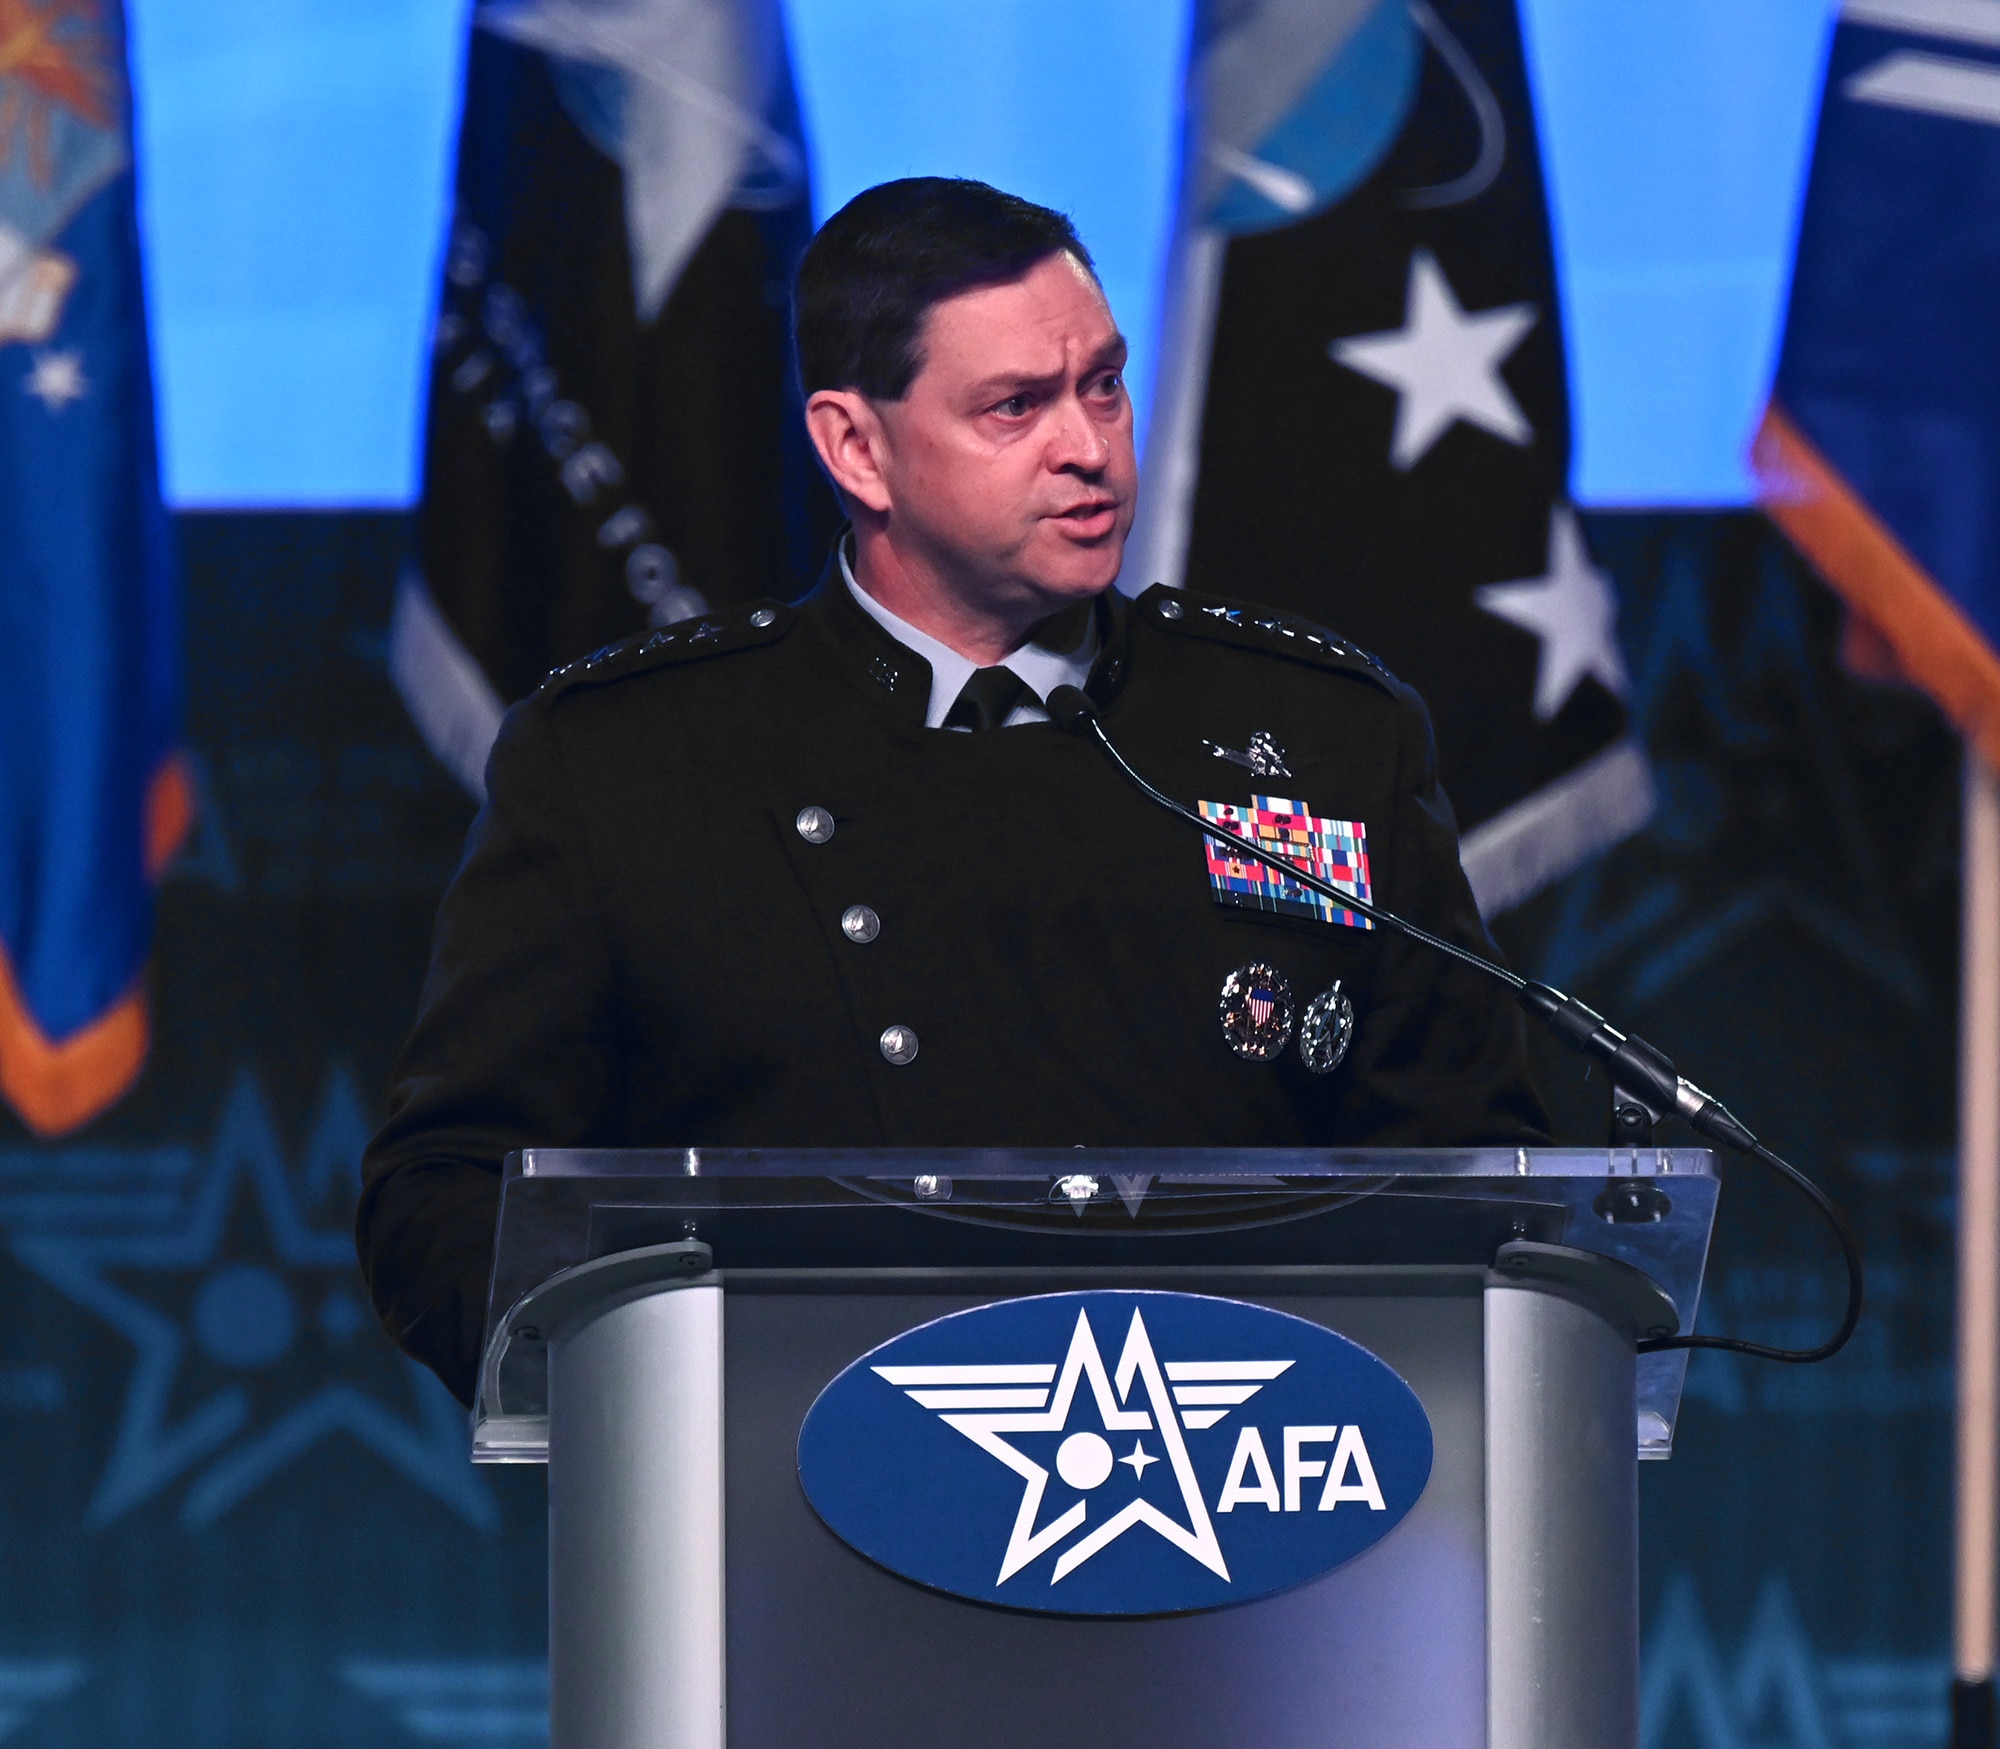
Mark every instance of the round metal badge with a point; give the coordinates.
(1256, 1011)
(1326, 1029)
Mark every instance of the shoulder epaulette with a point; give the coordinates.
(1249, 627)
(687, 640)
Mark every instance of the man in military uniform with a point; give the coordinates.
(827, 875)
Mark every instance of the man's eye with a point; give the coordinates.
(1014, 406)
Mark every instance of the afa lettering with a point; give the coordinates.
(1350, 1474)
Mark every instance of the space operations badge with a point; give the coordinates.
(1115, 1453)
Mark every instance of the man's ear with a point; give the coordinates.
(848, 433)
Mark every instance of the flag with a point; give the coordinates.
(93, 798)
(1361, 411)
(613, 437)
(1879, 453)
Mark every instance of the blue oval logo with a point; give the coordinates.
(1115, 1453)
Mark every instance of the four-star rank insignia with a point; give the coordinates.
(1334, 850)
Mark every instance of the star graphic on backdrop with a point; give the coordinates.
(56, 379)
(1203, 1393)
(29, 1683)
(252, 1309)
(1573, 609)
(1730, 681)
(1443, 364)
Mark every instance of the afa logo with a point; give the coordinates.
(1115, 1453)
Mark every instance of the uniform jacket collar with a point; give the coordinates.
(900, 679)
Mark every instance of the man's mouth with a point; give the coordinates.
(1089, 514)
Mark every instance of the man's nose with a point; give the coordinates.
(1077, 441)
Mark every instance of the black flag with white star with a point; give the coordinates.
(613, 434)
(1381, 438)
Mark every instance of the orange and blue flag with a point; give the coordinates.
(93, 799)
(1880, 452)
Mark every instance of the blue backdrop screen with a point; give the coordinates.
(295, 159)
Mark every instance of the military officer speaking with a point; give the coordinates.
(825, 874)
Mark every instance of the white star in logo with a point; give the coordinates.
(56, 379)
(1139, 1457)
(1443, 364)
(1572, 609)
(1085, 1461)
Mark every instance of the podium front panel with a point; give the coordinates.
(826, 1648)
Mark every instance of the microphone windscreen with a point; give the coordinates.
(1070, 709)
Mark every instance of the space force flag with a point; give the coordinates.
(613, 438)
(1361, 411)
(92, 799)
(1879, 454)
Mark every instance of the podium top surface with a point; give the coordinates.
(766, 1213)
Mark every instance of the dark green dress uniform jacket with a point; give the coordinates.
(640, 948)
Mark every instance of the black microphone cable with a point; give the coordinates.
(1630, 1060)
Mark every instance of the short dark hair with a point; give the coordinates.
(871, 275)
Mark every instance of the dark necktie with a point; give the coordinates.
(988, 699)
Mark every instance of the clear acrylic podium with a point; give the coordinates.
(661, 1322)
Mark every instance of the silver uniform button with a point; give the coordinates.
(859, 923)
(1170, 609)
(762, 617)
(815, 825)
(899, 1045)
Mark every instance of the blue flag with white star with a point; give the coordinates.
(92, 798)
(1361, 411)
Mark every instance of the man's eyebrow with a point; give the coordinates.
(1014, 382)
(1112, 353)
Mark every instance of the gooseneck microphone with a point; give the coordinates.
(1645, 1085)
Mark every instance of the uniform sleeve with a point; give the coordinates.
(1440, 1053)
(514, 1046)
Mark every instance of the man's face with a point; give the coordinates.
(1008, 463)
